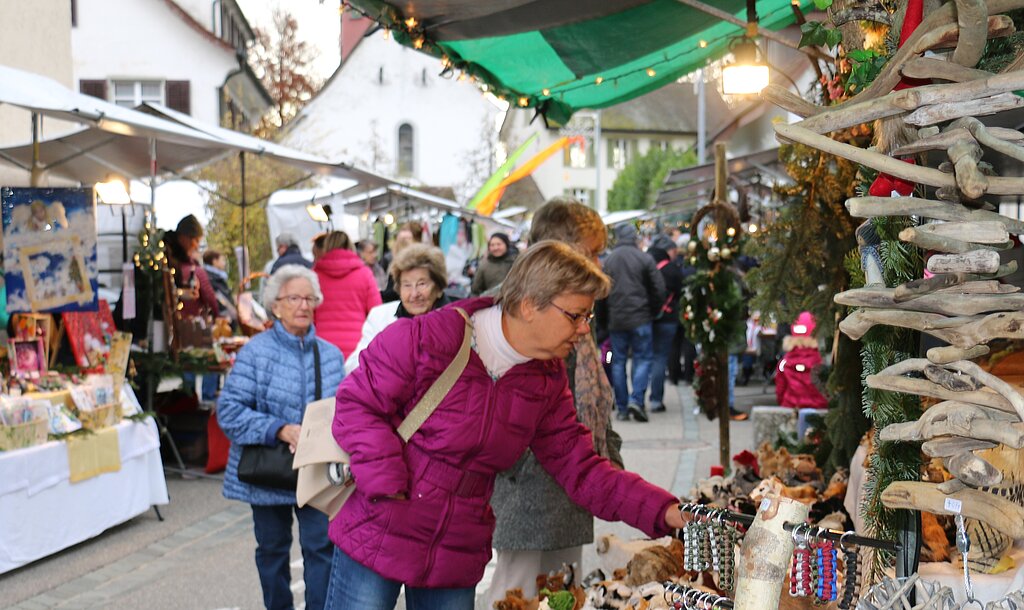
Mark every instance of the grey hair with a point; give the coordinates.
(282, 276)
(286, 239)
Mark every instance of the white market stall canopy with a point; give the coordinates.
(286, 213)
(118, 139)
(403, 200)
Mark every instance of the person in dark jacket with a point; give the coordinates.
(197, 298)
(666, 323)
(638, 292)
(495, 266)
(215, 264)
(288, 253)
(539, 527)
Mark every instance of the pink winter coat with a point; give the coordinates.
(794, 382)
(441, 535)
(350, 292)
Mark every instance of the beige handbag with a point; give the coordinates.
(325, 482)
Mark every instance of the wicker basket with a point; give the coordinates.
(23, 435)
(100, 417)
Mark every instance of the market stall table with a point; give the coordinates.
(44, 512)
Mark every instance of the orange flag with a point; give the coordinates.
(489, 203)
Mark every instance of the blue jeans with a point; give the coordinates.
(273, 527)
(640, 340)
(356, 587)
(734, 365)
(664, 333)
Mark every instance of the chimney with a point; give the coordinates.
(353, 28)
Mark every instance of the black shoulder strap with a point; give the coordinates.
(316, 368)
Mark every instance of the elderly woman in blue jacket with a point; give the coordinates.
(262, 403)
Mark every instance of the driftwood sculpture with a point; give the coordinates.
(963, 303)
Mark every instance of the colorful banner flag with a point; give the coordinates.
(499, 175)
(490, 202)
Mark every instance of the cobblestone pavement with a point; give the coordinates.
(201, 555)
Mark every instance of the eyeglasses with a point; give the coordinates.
(293, 300)
(586, 317)
(419, 286)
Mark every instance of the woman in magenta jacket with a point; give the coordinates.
(350, 292)
(420, 515)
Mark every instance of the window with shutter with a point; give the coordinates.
(179, 96)
(95, 88)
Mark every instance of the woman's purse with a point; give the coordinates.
(325, 481)
(271, 466)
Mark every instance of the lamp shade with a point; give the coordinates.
(747, 74)
(113, 192)
(317, 212)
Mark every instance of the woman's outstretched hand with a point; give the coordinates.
(674, 517)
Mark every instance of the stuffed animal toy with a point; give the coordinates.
(655, 564)
(805, 471)
(514, 600)
(774, 462)
(773, 486)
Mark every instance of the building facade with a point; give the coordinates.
(388, 109)
(189, 55)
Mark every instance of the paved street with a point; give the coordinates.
(201, 556)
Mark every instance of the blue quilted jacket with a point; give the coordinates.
(269, 386)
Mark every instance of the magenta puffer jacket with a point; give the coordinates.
(441, 535)
(350, 292)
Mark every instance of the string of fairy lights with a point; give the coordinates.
(412, 31)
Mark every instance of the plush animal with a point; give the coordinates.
(514, 600)
(936, 544)
(774, 462)
(773, 486)
(613, 552)
(805, 470)
(655, 564)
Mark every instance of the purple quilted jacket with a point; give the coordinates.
(441, 535)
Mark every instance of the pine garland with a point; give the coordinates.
(712, 311)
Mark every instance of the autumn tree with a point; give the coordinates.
(283, 63)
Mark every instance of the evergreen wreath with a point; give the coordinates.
(712, 306)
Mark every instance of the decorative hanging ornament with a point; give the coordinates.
(691, 247)
(726, 253)
(713, 254)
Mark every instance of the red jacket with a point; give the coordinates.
(441, 535)
(350, 292)
(794, 383)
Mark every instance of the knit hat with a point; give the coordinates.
(663, 242)
(189, 226)
(804, 325)
(626, 232)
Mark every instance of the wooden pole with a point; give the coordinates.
(722, 390)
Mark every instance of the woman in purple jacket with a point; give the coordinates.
(420, 515)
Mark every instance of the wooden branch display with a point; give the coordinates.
(763, 563)
(874, 207)
(962, 303)
(1002, 514)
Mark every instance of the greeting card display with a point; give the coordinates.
(49, 249)
(27, 357)
(90, 333)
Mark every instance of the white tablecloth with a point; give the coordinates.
(41, 512)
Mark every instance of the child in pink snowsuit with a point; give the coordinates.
(794, 382)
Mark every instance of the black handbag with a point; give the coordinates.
(271, 466)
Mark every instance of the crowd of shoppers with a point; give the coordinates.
(519, 455)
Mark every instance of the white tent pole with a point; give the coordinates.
(36, 173)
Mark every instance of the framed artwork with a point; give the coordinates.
(28, 326)
(49, 249)
(27, 357)
(89, 334)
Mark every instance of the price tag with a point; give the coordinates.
(765, 504)
(952, 505)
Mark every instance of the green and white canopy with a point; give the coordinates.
(563, 55)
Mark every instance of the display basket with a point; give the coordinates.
(24, 435)
(101, 417)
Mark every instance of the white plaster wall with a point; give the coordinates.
(145, 39)
(553, 177)
(27, 25)
(355, 118)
